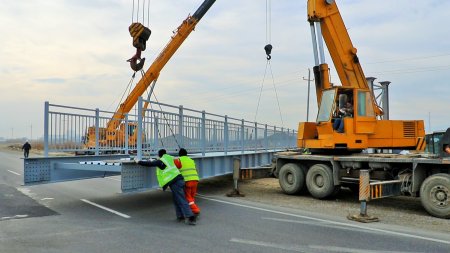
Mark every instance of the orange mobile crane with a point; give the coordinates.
(334, 160)
(363, 130)
(113, 134)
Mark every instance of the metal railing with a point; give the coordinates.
(161, 126)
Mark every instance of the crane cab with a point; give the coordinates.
(361, 129)
(324, 134)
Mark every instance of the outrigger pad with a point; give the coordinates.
(363, 218)
(235, 193)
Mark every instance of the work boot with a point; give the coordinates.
(192, 220)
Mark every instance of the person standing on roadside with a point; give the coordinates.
(168, 175)
(190, 175)
(26, 149)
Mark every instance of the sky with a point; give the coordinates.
(74, 52)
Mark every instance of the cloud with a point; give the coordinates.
(74, 52)
(51, 80)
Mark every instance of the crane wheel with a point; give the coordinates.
(435, 195)
(292, 178)
(319, 181)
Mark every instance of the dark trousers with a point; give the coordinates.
(26, 152)
(182, 208)
(339, 125)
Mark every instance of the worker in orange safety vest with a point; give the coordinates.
(190, 174)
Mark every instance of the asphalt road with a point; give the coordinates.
(93, 216)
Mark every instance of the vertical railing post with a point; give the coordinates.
(242, 137)
(214, 140)
(266, 140)
(293, 139)
(287, 141)
(225, 135)
(256, 137)
(181, 126)
(275, 139)
(156, 133)
(127, 134)
(139, 133)
(198, 135)
(46, 115)
(97, 131)
(203, 132)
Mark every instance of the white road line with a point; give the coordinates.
(111, 178)
(270, 245)
(15, 173)
(309, 248)
(106, 208)
(47, 199)
(67, 234)
(15, 216)
(315, 223)
(328, 221)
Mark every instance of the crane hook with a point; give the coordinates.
(134, 61)
(268, 49)
(140, 35)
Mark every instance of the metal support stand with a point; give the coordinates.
(364, 196)
(236, 168)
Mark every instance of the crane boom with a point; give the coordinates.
(180, 35)
(340, 47)
(361, 129)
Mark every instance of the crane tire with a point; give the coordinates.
(292, 178)
(435, 195)
(319, 181)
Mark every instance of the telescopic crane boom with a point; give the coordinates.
(114, 132)
(363, 130)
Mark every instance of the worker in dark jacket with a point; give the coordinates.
(168, 175)
(26, 149)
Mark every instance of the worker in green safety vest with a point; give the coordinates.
(168, 175)
(190, 174)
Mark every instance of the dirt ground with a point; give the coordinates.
(402, 211)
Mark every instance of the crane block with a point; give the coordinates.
(268, 49)
(140, 35)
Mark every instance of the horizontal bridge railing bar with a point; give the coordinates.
(69, 129)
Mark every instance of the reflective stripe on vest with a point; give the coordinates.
(188, 169)
(170, 172)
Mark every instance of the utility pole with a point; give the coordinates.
(309, 87)
(429, 122)
(12, 133)
(31, 132)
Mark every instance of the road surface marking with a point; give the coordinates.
(111, 178)
(309, 248)
(67, 234)
(322, 224)
(271, 245)
(328, 221)
(19, 216)
(47, 199)
(106, 209)
(15, 173)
